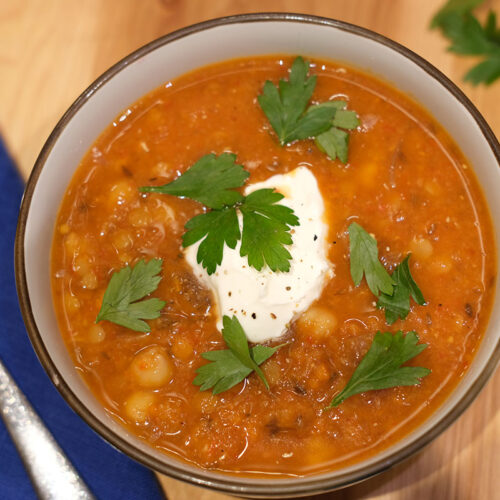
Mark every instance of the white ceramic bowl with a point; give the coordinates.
(168, 58)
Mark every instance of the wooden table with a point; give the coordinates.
(50, 50)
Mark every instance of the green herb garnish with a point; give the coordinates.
(266, 224)
(394, 291)
(211, 181)
(397, 305)
(364, 261)
(285, 107)
(335, 142)
(128, 286)
(468, 37)
(229, 367)
(381, 366)
(216, 228)
(266, 229)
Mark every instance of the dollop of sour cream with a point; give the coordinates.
(265, 302)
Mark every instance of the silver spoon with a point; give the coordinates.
(50, 471)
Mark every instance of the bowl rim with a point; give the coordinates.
(224, 482)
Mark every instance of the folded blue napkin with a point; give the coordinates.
(108, 473)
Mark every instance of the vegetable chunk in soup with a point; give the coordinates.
(273, 277)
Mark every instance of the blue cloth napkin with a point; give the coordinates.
(108, 473)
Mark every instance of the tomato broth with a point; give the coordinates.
(406, 182)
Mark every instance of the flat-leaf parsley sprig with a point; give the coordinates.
(364, 261)
(229, 367)
(468, 37)
(381, 366)
(397, 305)
(212, 180)
(285, 107)
(394, 291)
(122, 302)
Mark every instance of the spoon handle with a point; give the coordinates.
(52, 474)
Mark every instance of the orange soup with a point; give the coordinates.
(405, 182)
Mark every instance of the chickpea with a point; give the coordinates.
(272, 371)
(125, 257)
(72, 243)
(89, 281)
(205, 402)
(121, 192)
(64, 229)
(96, 334)
(122, 240)
(151, 367)
(421, 248)
(71, 303)
(140, 217)
(165, 213)
(317, 322)
(82, 264)
(319, 376)
(182, 349)
(138, 404)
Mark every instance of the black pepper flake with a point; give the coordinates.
(334, 242)
(298, 389)
(83, 207)
(315, 237)
(127, 171)
(229, 293)
(440, 305)
(468, 310)
(273, 427)
(254, 316)
(288, 288)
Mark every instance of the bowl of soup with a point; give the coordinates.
(258, 254)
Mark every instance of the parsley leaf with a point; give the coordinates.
(217, 227)
(335, 142)
(469, 37)
(266, 224)
(285, 106)
(364, 260)
(210, 181)
(237, 342)
(345, 118)
(230, 366)
(266, 229)
(286, 110)
(226, 370)
(125, 288)
(398, 305)
(381, 366)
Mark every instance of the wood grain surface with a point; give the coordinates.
(51, 50)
